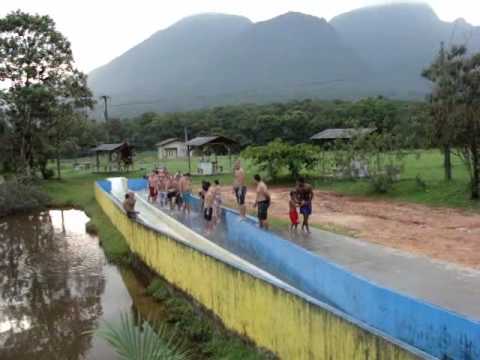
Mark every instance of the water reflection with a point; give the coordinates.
(55, 285)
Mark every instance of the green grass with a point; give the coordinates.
(77, 191)
(207, 338)
(428, 167)
(202, 334)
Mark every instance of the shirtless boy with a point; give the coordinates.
(239, 188)
(262, 201)
(208, 206)
(153, 186)
(305, 196)
(172, 192)
(185, 187)
(217, 201)
(162, 189)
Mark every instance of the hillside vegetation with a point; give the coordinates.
(216, 59)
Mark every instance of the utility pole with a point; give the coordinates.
(187, 149)
(447, 161)
(105, 99)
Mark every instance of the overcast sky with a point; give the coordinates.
(101, 30)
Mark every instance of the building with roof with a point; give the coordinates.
(341, 134)
(171, 148)
(209, 147)
(357, 168)
(118, 156)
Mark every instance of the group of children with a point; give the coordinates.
(211, 202)
(175, 191)
(300, 198)
(172, 190)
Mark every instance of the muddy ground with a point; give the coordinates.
(446, 234)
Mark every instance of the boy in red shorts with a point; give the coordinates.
(293, 211)
(153, 186)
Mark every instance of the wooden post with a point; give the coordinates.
(229, 157)
(188, 150)
(98, 161)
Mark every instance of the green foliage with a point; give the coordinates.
(455, 107)
(139, 341)
(18, 197)
(200, 332)
(377, 156)
(44, 89)
(276, 155)
(77, 191)
(293, 122)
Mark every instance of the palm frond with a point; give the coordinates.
(133, 341)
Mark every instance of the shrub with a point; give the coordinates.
(17, 197)
(382, 183)
(277, 155)
(48, 174)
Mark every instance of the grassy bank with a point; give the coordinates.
(77, 192)
(421, 182)
(200, 334)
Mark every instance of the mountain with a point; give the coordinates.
(399, 40)
(216, 59)
(282, 55)
(168, 63)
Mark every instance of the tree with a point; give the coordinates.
(441, 101)
(277, 155)
(36, 62)
(456, 107)
(467, 117)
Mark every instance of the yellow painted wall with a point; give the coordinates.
(273, 318)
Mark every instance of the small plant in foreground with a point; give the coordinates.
(139, 341)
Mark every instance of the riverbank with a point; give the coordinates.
(77, 192)
(199, 333)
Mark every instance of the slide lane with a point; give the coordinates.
(442, 334)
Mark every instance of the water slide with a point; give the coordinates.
(436, 331)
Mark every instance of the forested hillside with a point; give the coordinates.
(294, 122)
(215, 59)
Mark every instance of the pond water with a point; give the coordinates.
(56, 285)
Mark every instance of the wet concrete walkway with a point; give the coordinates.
(443, 284)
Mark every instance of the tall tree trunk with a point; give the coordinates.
(57, 152)
(447, 162)
(59, 175)
(475, 174)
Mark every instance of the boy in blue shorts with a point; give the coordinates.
(305, 196)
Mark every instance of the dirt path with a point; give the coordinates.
(446, 234)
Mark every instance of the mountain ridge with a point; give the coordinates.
(215, 59)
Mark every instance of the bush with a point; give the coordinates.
(382, 183)
(48, 174)
(16, 197)
(278, 155)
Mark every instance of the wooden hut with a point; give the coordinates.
(209, 148)
(330, 135)
(119, 156)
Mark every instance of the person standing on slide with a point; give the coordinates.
(185, 185)
(153, 186)
(262, 202)
(239, 188)
(305, 197)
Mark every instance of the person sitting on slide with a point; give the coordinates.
(129, 205)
